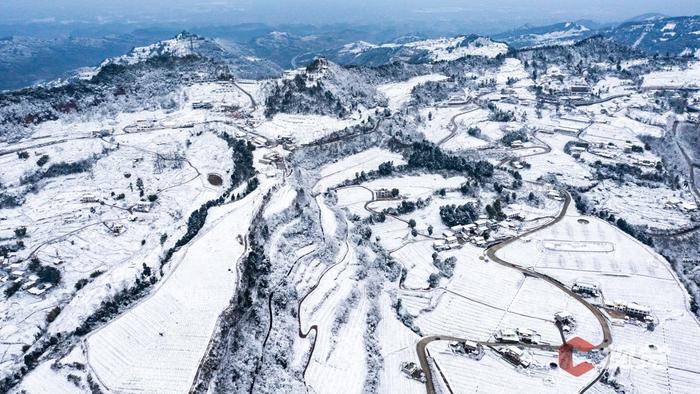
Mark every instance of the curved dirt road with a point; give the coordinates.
(452, 126)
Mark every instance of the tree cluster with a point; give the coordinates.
(454, 215)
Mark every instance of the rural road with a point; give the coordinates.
(250, 96)
(452, 126)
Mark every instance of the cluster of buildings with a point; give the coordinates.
(518, 335)
(142, 206)
(102, 133)
(517, 164)
(556, 86)
(202, 105)
(561, 129)
(145, 124)
(89, 199)
(469, 348)
(611, 151)
(274, 160)
(12, 272)
(256, 140)
(288, 142)
(474, 233)
(232, 109)
(683, 206)
(413, 371)
(515, 355)
(631, 309)
(384, 194)
(555, 195)
(586, 288)
(516, 144)
(116, 229)
(270, 158)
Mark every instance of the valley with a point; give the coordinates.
(464, 216)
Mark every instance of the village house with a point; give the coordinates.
(588, 288)
(383, 194)
(515, 355)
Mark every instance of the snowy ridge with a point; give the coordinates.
(416, 50)
(184, 44)
(447, 49)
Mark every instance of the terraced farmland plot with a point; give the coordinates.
(156, 346)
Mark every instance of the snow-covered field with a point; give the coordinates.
(437, 122)
(513, 69)
(354, 198)
(304, 128)
(282, 198)
(157, 345)
(557, 162)
(494, 374)
(399, 93)
(446, 49)
(674, 77)
(346, 168)
(641, 207)
(62, 228)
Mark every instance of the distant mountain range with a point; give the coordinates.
(677, 36)
(256, 51)
(425, 50)
(651, 33)
(26, 60)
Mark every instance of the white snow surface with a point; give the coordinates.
(674, 77)
(304, 128)
(345, 168)
(448, 49)
(399, 93)
(156, 346)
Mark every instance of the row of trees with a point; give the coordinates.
(59, 169)
(426, 155)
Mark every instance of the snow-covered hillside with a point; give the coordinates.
(556, 34)
(239, 59)
(446, 49)
(678, 36)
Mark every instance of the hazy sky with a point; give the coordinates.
(479, 13)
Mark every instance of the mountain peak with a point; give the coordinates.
(184, 44)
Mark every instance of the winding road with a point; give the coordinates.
(452, 126)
